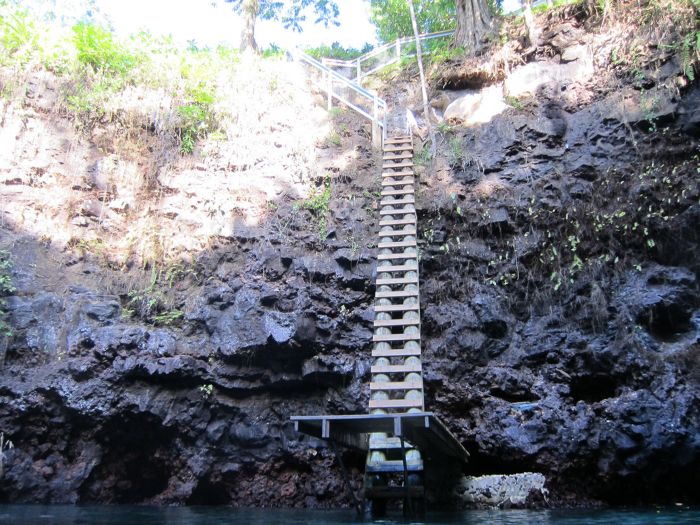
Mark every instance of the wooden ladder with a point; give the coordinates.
(397, 376)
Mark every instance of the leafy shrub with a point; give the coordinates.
(196, 117)
(97, 48)
(152, 303)
(318, 203)
(17, 31)
(337, 51)
(273, 52)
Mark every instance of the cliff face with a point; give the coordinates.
(559, 270)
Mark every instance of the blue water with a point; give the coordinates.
(70, 515)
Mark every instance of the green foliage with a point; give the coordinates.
(6, 288)
(556, 3)
(168, 318)
(193, 119)
(423, 157)
(86, 102)
(97, 49)
(689, 54)
(514, 102)
(318, 204)
(291, 13)
(196, 116)
(17, 33)
(151, 303)
(334, 139)
(337, 51)
(611, 230)
(273, 51)
(456, 152)
(444, 127)
(441, 50)
(393, 20)
(207, 390)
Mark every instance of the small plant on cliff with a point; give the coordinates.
(423, 157)
(5, 445)
(318, 204)
(6, 288)
(514, 102)
(97, 49)
(206, 390)
(17, 34)
(196, 117)
(152, 303)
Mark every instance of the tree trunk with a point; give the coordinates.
(474, 21)
(419, 55)
(250, 11)
(533, 33)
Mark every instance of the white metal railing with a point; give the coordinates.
(382, 56)
(348, 89)
(336, 86)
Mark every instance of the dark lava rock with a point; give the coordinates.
(596, 385)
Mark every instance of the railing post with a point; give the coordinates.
(376, 132)
(329, 84)
(359, 71)
(329, 88)
(398, 49)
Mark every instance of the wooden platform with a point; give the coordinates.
(422, 429)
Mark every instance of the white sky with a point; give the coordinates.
(212, 22)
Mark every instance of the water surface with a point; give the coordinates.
(123, 515)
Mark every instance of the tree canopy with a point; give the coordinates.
(291, 13)
(471, 19)
(393, 18)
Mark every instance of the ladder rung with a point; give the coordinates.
(392, 256)
(396, 174)
(397, 212)
(395, 403)
(397, 352)
(409, 199)
(394, 465)
(391, 193)
(376, 442)
(400, 268)
(397, 293)
(382, 323)
(389, 338)
(398, 148)
(400, 156)
(397, 165)
(398, 140)
(396, 308)
(380, 492)
(398, 202)
(398, 244)
(404, 182)
(397, 280)
(396, 222)
(397, 385)
(397, 233)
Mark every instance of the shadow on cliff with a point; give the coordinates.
(173, 382)
(560, 297)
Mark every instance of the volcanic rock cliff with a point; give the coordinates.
(559, 270)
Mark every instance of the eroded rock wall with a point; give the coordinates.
(582, 370)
